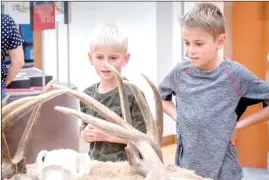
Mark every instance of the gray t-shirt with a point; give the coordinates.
(208, 106)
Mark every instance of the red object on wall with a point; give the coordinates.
(43, 17)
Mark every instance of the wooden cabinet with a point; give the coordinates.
(250, 46)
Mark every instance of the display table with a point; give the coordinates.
(53, 130)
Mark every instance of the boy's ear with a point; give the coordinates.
(90, 58)
(221, 41)
(126, 59)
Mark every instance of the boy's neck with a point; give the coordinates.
(212, 65)
(107, 86)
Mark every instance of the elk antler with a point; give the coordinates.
(28, 105)
(145, 111)
(131, 150)
(124, 103)
(141, 141)
(148, 148)
(107, 113)
(158, 108)
(14, 105)
(158, 123)
(97, 106)
(12, 111)
(31, 122)
(142, 103)
(4, 101)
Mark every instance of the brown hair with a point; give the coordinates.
(205, 16)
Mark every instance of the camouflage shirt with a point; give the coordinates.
(106, 151)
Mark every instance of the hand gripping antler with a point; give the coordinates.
(11, 113)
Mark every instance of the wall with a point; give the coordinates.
(227, 51)
(155, 43)
(87, 15)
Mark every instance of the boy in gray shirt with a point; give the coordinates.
(211, 95)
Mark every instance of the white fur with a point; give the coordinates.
(76, 163)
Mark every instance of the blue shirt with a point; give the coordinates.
(11, 39)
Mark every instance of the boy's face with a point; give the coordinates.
(111, 55)
(201, 47)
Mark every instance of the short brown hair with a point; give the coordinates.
(205, 16)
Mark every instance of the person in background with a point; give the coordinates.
(109, 44)
(11, 45)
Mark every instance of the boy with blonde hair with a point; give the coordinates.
(211, 95)
(109, 44)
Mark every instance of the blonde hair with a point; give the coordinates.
(205, 16)
(109, 34)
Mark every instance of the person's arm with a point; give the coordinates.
(92, 134)
(15, 51)
(258, 117)
(169, 108)
(167, 88)
(17, 62)
(254, 90)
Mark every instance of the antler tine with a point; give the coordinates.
(91, 102)
(49, 85)
(14, 105)
(7, 165)
(151, 129)
(123, 97)
(31, 123)
(132, 152)
(8, 169)
(5, 151)
(142, 103)
(127, 115)
(4, 101)
(25, 108)
(104, 125)
(141, 140)
(158, 108)
(135, 162)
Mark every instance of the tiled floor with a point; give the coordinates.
(249, 173)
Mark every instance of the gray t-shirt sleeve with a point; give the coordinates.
(167, 88)
(253, 87)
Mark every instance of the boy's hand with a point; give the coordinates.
(169, 108)
(93, 134)
(234, 137)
